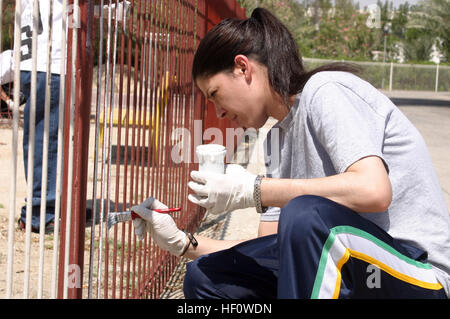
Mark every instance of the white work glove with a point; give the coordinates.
(160, 226)
(223, 192)
(10, 104)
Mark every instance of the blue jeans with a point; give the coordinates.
(322, 250)
(39, 141)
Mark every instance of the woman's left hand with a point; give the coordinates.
(223, 192)
(161, 227)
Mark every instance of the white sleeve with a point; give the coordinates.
(6, 67)
(346, 126)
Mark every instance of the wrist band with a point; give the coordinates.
(257, 195)
(192, 241)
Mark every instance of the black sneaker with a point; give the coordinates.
(49, 228)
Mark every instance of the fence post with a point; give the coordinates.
(437, 78)
(390, 76)
(83, 89)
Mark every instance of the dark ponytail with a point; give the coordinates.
(264, 38)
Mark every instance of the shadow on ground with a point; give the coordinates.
(419, 102)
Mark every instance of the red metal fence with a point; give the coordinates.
(128, 88)
(145, 93)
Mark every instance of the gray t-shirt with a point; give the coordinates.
(339, 119)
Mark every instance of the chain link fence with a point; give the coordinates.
(396, 76)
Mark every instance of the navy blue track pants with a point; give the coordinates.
(322, 250)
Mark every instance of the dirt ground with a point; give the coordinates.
(5, 193)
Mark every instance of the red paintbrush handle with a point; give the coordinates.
(167, 210)
(134, 215)
(162, 211)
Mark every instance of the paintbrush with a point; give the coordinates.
(118, 217)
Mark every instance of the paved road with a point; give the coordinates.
(428, 111)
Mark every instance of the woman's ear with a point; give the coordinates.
(242, 67)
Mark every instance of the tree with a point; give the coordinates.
(432, 17)
(400, 20)
(339, 31)
(7, 24)
(418, 45)
(292, 14)
(344, 34)
(301, 28)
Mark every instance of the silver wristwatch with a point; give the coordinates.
(257, 195)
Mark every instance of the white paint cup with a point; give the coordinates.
(211, 158)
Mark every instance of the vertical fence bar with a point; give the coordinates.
(436, 85)
(15, 133)
(107, 111)
(84, 94)
(150, 152)
(96, 155)
(59, 165)
(78, 93)
(122, 61)
(144, 159)
(31, 149)
(144, 96)
(112, 112)
(104, 122)
(43, 208)
(117, 180)
(391, 75)
(138, 94)
(127, 128)
(135, 124)
(159, 127)
(68, 213)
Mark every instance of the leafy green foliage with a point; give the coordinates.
(340, 30)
